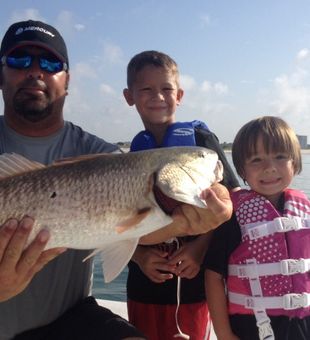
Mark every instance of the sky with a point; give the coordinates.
(238, 59)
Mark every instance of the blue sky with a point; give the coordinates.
(238, 59)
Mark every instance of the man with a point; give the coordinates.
(44, 295)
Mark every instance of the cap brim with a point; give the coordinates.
(36, 43)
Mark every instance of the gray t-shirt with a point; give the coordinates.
(66, 279)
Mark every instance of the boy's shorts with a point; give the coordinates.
(85, 321)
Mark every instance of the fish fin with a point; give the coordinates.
(12, 164)
(93, 253)
(69, 160)
(133, 221)
(116, 256)
(156, 219)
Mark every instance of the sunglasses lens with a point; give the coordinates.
(47, 63)
(52, 66)
(18, 62)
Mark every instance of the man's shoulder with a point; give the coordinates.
(87, 140)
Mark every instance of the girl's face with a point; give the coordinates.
(268, 173)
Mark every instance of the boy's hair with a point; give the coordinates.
(153, 58)
(276, 136)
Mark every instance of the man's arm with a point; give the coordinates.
(190, 220)
(17, 264)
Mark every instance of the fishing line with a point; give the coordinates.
(180, 334)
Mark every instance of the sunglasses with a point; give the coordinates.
(23, 61)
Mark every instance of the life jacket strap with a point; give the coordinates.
(288, 301)
(278, 225)
(284, 267)
(262, 319)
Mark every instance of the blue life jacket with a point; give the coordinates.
(177, 134)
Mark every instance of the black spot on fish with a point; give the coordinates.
(53, 195)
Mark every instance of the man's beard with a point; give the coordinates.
(32, 108)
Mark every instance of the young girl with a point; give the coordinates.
(257, 277)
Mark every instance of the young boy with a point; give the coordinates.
(156, 273)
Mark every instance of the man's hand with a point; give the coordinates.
(201, 220)
(17, 264)
(190, 220)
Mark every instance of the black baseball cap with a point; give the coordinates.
(35, 33)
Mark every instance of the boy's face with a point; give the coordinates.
(156, 94)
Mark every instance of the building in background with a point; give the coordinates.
(303, 141)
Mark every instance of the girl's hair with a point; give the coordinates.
(276, 136)
(150, 58)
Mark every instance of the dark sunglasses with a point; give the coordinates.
(22, 61)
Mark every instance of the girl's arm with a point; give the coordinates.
(217, 302)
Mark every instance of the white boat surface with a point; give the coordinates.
(120, 308)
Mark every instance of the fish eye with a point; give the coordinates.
(201, 154)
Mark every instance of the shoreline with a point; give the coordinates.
(303, 151)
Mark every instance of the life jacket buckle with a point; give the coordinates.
(292, 266)
(295, 301)
(285, 224)
(249, 302)
(265, 330)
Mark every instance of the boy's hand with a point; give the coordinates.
(186, 261)
(153, 262)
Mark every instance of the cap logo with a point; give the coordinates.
(20, 30)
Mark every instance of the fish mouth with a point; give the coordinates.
(166, 203)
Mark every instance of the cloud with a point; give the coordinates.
(205, 20)
(292, 94)
(217, 88)
(206, 86)
(206, 101)
(79, 27)
(83, 70)
(28, 13)
(112, 53)
(303, 54)
(106, 89)
(220, 88)
(187, 82)
(290, 99)
(65, 23)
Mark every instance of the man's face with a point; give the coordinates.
(33, 93)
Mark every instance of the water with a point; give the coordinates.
(116, 290)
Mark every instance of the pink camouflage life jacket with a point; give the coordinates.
(269, 272)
